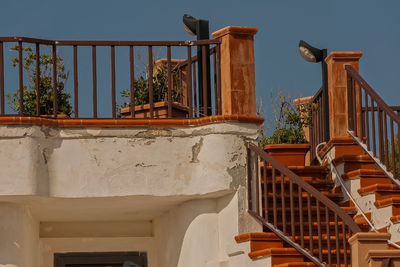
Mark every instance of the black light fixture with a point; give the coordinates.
(200, 28)
(313, 54)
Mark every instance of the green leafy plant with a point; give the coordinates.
(160, 88)
(290, 120)
(45, 85)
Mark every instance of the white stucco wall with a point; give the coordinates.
(181, 189)
(19, 236)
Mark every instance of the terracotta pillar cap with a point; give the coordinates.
(234, 30)
(369, 237)
(343, 56)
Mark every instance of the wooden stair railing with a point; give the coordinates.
(297, 212)
(373, 124)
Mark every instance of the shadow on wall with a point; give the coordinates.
(188, 235)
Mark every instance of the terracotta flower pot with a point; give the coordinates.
(288, 154)
(160, 110)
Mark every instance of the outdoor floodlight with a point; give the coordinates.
(189, 24)
(313, 54)
(310, 53)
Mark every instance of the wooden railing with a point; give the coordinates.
(373, 123)
(297, 212)
(104, 103)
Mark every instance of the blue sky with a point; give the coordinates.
(369, 26)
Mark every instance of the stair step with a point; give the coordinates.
(296, 264)
(392, 201)
(359, 219)
(335, 197)
(260, 241)
(355, 162)
(367, 177)
(278, 255)
(381, 191)
(395, 219)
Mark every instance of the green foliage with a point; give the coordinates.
(160, 88)
(45, 85)
(290, 120)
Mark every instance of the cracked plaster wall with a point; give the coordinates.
(96, 162)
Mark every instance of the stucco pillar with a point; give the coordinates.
(337, 90)
(19, 236)
(238, 92)
(361, 243)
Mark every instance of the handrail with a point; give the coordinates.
(259, 205)
(373, 124)
(333, 168)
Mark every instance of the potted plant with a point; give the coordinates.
(288, 144)
(160, 94)
(45, 86)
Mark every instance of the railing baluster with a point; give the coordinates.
(215, 84)
(205, 84)
(265, 177)
(150, 80)
(350, 104)
(113, 94)
(362, 134)
(76, 96)
(367, 119)
(169, 75)
(344, 245)
(283, 202)
(195, 102)
(132, 81)
(218, 100)
(55, 89)
(328, 235)
(386, 139)
(2, 78)
(249, 179)
(310, 226)
(37, 79)
(380, 133)
(21, 79)
(301, 216)
(292, 209)
(373, 126)
(393, 149)
(319, 231)
(337, 240)
(94, 81)
(189, 80)
(274, 208)
(257, 183)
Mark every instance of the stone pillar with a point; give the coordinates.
(361, 243)
(19, 236)
(337, 90)
(238, 92)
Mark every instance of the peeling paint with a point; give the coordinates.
(238, 174)
(196, 150)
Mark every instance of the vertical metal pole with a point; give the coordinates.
(2, 78)
(325, 95)
(21, 79)
(55, 84)
(37, 82)
(76, 96)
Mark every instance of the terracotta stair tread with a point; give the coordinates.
(387, 202)
(379, 187)
(353, 158)
(262, 236)
(359, 219)
(395, 219)
(296, 264)
(274, 252)
(330, 195)
(365, 173)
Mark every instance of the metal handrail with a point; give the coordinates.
(372, 123)
(259, 203)
(333, 168)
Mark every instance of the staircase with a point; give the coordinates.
(307, 219)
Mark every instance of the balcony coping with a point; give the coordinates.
(121, 123)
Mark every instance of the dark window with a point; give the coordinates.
(100, 259)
